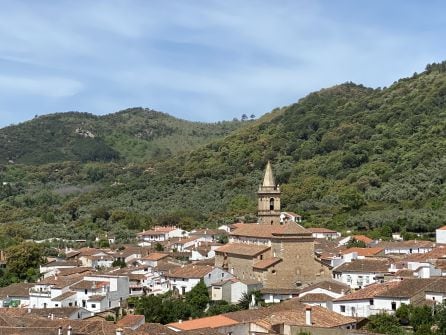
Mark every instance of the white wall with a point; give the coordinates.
(440, 236)
(356, 280)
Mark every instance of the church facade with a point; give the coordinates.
(280, 256)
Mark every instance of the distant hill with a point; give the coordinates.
(135, 134)
(347, 157)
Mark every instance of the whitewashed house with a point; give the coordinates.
(320, 232)
(95, 293)
(406, 247)
(15, 295)
(359, 273)
(383, 297)
(184, 278)
(50, 269)
(161, 234)
(290, 217)
(232, 290)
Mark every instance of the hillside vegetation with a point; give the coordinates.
(131, 135)
(347, 157)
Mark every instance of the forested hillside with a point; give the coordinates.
(346, 157)
(135, 134)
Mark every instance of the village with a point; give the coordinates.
(309, 280)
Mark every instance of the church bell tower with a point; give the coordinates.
(269, 199)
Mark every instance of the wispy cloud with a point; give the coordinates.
(204, 60)
(51, 87)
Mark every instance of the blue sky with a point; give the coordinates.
(204, 60)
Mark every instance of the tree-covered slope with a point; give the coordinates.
(346, 157)
(131, 135)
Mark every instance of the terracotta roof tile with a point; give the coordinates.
(208, 322)
(267, 263)
(155, 256)
(315, 297)
(329, 285)
(366, 252)
(190, 271)
(16, 290)
(369, 292)
(243, 249)
(366, 265)
(363, 238)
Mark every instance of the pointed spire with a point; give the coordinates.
(268, 180)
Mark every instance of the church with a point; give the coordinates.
(280, 256)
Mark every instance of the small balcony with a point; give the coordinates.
(39, 293)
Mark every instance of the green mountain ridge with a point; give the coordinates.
(134, 134)
(346, 157)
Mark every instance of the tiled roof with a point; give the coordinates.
(269, 231)
(437, 286)
(155, 256)
(183, 240)
(64, 296)
(369, 292)
(58, 263)
(315, 297)
(60, 282)
(157, 231)
(208, 322)
(442, 228)
(436, 253)
(190, 271)
(266, 263)
(366, 252)
(329, 285)
(404, 273)
(242, 249)
(74, 271)
(365, 266)
(407, 288)
(363, 238)
(88, 285)
(16, 290)
(272, 290)
(130, 321)
(96, 297)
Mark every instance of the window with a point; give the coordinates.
(56, 305)
(86, 291)
(271, 204)
(70, 304)
(371, 302)
(393, 306)
(93, 305)
(223, 275)
(261, 257)
(342, 309)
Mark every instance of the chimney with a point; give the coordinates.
(59, 332)
(69, 331)
(119, 331)
(52, 316)
(308, 316)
